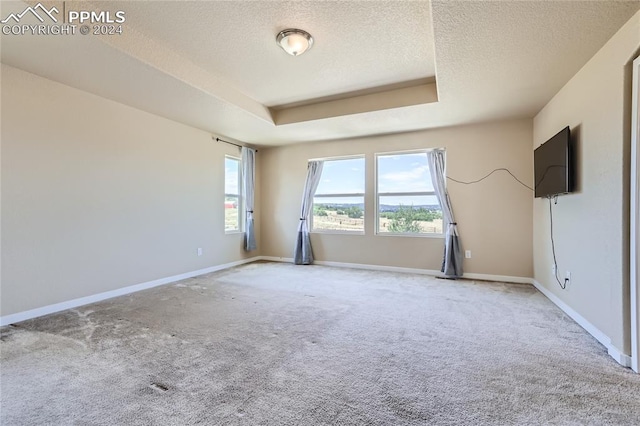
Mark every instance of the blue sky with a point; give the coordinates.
(231, 176)
(397, 173)
(342, 176)
(404, 173)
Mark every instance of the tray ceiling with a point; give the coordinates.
(375, 67)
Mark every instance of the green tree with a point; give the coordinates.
(354, 212)
(405, 220)
(319, 210)
(427, 215)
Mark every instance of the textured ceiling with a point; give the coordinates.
(352, 49)
(216, 66)
(516, 55)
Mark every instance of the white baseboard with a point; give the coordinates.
(431, 272)
(356, 266)
(277, 259)
(615, 353)
(498, 278)
(378, 267)
(50, 309)
(622, 359)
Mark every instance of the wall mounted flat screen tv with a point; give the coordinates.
(552, 164)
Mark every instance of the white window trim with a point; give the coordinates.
(378, 194)
(241, 214)
(358, 194)
(341, 157)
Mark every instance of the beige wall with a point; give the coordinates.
(98, 196)
(494, 216)
(591, 225)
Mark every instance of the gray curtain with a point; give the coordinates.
(303, 253)
(452, 262)
(248, 161)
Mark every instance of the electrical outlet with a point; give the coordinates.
(199, 252)
(568, 275)
(553, 269)
(467, 254)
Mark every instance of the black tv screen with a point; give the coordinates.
(552, 165)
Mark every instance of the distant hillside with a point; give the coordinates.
(383, 207)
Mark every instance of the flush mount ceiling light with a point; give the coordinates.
(294, 42)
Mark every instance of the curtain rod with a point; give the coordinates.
(230, 143)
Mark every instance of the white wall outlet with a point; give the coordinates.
(568, 275)
(199, 252)
(467, 254)
(553, 269)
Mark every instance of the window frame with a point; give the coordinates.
(240, 196)
(339, 195)
(378, 194)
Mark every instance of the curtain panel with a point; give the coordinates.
(452, 261)
(303, 254)
(248, 162)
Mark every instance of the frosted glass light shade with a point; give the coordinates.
(294, 42)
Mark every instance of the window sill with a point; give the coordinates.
(233, 232)
(390, 234)
(335, 232)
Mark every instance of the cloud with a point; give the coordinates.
(416, 179)
(406, 176)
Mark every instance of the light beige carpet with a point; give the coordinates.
(278, 344)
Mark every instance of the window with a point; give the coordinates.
(338, 204)
(232, 195)
(406, 202)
